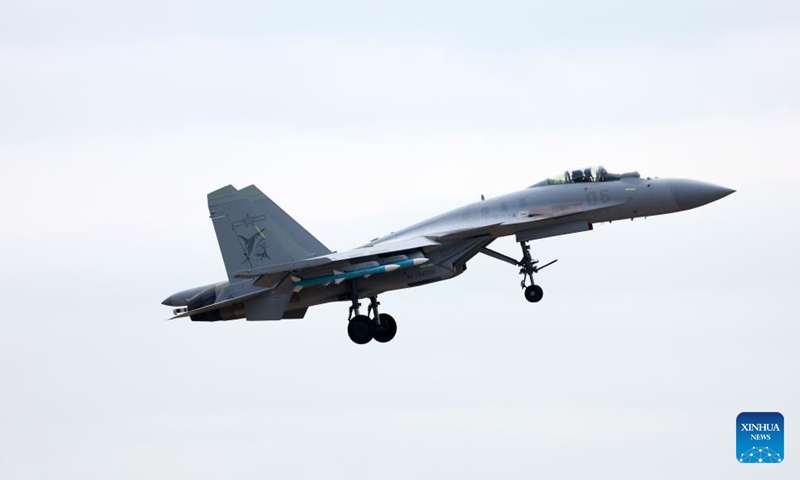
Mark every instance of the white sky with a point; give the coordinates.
(359, 119)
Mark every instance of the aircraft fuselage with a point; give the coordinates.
(505, 215)
(455, 237)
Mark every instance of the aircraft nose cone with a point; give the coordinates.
(690, 194)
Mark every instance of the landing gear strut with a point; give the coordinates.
(359, 327)
(385, 328)
(363, 328)
(533, 292)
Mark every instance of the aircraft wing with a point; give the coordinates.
(316, 266)
(269, 276)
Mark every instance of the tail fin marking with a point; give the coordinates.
(253, 231)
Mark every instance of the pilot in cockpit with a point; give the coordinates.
(582, 176)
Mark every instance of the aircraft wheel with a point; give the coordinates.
(386, 331)
(534, 293)
(360, 329)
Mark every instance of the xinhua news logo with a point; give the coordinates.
(759, 437)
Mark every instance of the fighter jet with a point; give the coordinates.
(277, 269)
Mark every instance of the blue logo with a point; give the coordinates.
(759, 437)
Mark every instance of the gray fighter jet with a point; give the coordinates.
(277, 269)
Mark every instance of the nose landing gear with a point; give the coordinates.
(533, 292)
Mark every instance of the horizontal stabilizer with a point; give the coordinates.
(283, 267)
(223, 304)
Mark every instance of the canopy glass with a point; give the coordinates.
(584, 175)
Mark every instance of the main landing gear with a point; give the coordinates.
(533, 292)
(378, 326)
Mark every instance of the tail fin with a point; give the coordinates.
(253, 231)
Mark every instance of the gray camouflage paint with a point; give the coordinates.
(535, 212)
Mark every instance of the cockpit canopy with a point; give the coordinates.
(584, 175)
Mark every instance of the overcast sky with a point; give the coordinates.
(116, 119)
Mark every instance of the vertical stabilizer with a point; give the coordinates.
(253, 231)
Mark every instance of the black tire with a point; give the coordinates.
(386, 331)
(360, 329)
(534, 293)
